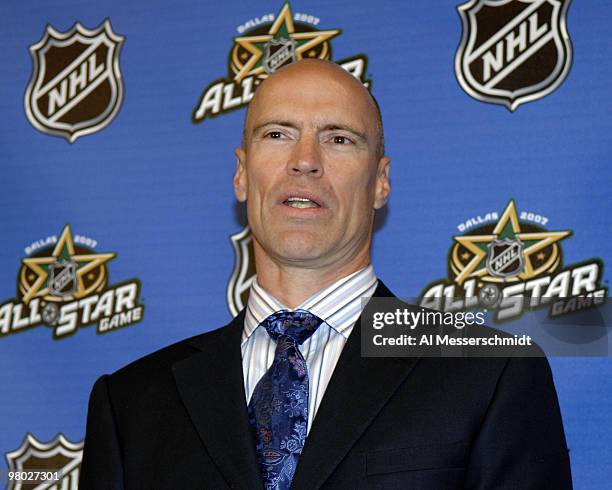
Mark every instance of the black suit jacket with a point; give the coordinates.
(177, 419)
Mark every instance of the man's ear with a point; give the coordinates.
(383, 184)
(240, 177)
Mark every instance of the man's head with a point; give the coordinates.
(311, 166)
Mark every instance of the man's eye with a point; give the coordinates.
(274, 135)
(341, 140)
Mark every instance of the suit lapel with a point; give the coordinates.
(357, 391)
(211, 386)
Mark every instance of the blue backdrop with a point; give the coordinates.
(153, 186)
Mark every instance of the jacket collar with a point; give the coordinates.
(211, 386)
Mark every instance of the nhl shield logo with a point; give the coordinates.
(63, 278)
(76, 87)
(244, 271)
(505, 258)
(278, 53)
(56, 464)
(513, 51)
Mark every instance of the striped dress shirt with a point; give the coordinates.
(338, 305)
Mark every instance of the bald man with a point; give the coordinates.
(280, 397)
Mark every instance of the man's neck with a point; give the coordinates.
(293, 285)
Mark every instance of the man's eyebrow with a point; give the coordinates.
(285, 124)
(345, 127)
(328, 127)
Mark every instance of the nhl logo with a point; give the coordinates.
(76, 87)
(63, 278)
(278, 52)
(513, 51)
(244, 271)
(505, 258)
(59, 457)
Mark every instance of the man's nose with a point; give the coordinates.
(306, 158)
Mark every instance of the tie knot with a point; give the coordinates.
(298, 325)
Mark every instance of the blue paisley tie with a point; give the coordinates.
(278, 411)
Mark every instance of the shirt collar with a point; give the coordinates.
(338, 305)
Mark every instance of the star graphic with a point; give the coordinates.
(281, 28)
(508, 227)
(64, 250)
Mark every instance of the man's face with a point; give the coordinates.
(309, 169)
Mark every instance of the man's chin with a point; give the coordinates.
(299, 247)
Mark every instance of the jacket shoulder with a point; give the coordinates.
(156, 368)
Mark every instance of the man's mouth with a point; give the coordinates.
(300, 203)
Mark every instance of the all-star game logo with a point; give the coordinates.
(513, 51)
(266, 44)
(76, 86)
(63, 284)
(54, 465)
(508, 264)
